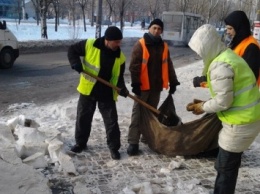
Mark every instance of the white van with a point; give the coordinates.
(9, 50)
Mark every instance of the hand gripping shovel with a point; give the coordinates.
(129, 95)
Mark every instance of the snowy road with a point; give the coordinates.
(45, 77)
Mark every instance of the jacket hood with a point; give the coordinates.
(239, 21)
(207, 43)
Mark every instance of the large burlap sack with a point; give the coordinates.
(189, 138)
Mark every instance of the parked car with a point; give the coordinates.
(9, 50)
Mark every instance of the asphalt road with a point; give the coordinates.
(47, 77)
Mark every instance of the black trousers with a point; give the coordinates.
(227, 166)
(85, 111)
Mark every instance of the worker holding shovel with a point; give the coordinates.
(102, 57)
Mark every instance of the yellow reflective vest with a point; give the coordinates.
(245, 108)
(91, 63)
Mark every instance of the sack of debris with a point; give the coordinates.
(184, 139)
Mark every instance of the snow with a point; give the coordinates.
(44, 132)
(30, 31)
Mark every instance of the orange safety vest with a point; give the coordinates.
(145, 85)
(240, 49)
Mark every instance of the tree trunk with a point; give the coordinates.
(44, 8)
(99, 19)
(84, 19)
(44, 27)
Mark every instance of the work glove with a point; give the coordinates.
(78, 68)
(136, 88)
(200, 81)
(172, 89)
(123, 92)
(196, 107)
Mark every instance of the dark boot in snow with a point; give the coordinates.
(133, 149)
(115, 155)
(78, 148)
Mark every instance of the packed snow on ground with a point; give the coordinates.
(33, 137)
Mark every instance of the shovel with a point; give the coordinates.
(129, 95)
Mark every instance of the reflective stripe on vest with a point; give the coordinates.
(91, 63)
(144, 77)
(245, 107)
(241, 47)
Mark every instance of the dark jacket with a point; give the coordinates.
(155, 49)
(107, 58)
(239, 21)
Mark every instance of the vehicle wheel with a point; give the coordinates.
(7, 58)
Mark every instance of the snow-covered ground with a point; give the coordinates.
(45, 132)
(30, 31)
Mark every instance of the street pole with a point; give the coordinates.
(99, 19)
(258, 10)
(256, 30)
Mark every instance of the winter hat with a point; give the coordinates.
(113, 33)
(156, 22)
(240, 22)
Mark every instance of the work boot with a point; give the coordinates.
(115, 155)
(78, 148)
(133, 149)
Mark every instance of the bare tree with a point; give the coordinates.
(71, 6)
(44, 4)
(224, 9)
(182, 5)
(166, 5)
(198, 6)
(154, 7)
(99, 19)
(56, 7)
(83, 4)
(21, 9)
(122, 6)
(36, 5)
(110, 8)
(211, 9)
(131, 11)
(18, 10)
(92, 12)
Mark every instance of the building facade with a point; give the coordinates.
(8, 8)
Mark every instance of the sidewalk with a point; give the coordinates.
(152, 173)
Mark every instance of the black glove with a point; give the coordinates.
(198, 80)
(173, 87)
(78, 68)
(123, 92)
(136, 89)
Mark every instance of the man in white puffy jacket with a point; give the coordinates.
(234, 97)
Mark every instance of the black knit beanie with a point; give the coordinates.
(157, 22)
(113, 33)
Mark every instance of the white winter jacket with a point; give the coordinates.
(207, 44)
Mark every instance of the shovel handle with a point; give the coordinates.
(118, 90)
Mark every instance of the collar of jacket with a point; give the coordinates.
(100, 44)
(150, 41)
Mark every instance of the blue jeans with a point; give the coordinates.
(227, 165)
